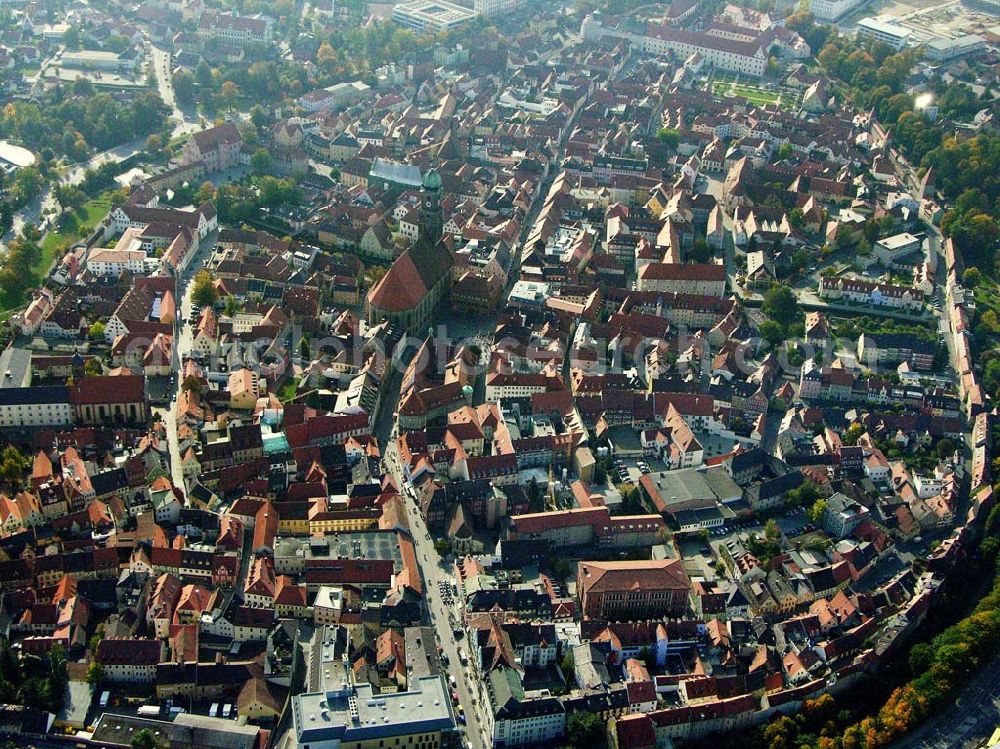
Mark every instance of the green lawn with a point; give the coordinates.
(288, 389)
(987, 295)
(69, 231)
(751, 93)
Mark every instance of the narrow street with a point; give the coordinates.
(182, 346)
(469, 687)
(160, 60)
(433, 569)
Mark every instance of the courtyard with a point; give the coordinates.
(728, 85)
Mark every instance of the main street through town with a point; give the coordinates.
(444, 609)
(184, 338)
(444, 619)
(183, 123)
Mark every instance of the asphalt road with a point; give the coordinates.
(183, 338)
(160, 60)
(433, 571)
(973, 715)
(444, 616)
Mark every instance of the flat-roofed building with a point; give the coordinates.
(344, 714)
(437, 15)
(894, 35)
(832, 10)
(186, 731)
(948, 49)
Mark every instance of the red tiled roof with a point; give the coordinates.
(109, 389)
(655, 574)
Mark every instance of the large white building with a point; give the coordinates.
(496, 7)
(518, 718)
(234, 30)
(436, 15)
(113, 261)
(340, 713)
(736, 55)
(940, 50)
(39, 406)
(832, 10)
(890, 33)
(129, 660)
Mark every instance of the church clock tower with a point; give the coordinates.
(431, 219)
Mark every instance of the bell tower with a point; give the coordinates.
(431, 219)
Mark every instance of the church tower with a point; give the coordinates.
(431, 219)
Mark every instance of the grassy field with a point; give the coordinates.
(752, 94)
(987, 295)
(288, 389)
(69, 231)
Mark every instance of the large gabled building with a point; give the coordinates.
(632, 590)
(418, 280)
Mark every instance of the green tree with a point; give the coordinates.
(700, 251)
(668, 137)
(772, 532)
(71, 37)
(203, 74)
(204, 292)
(971, 277)
(96, 332)
(69, 197)
(83, 87)
(781, 305)
(785, 151)
(206, 193)
(567, 664)
(442, 546)
(585, 729)
(144, 739)
(93, 367)
(921, 657)
(817, 511)
(772, 332)
(228, 93)
(116, 43)
(13, 466)
(945, 448)
(184, 86)
(853, 433)
(258, 116)
(28, 183)
(260, 162)
(95, 673)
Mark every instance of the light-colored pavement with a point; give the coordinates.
(39, 210)
(445, 615)
(183, 339)
(433, 570)
(160, 60)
